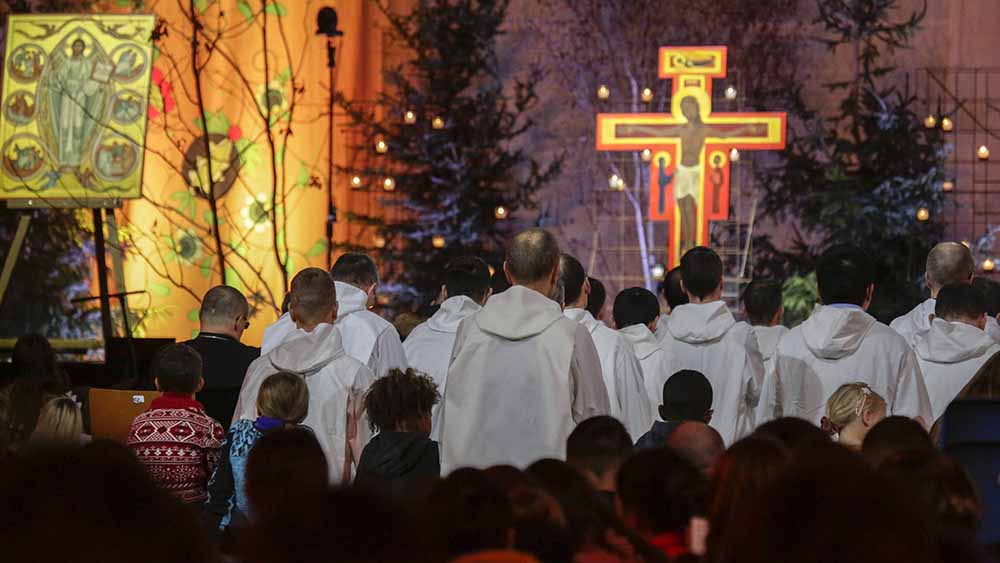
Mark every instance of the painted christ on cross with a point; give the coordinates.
(690, 146)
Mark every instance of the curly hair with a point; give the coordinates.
(399, 399)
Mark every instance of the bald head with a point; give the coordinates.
(533, 259)
(314, 298)
(699, 443)
(948, 263)
(223, 308)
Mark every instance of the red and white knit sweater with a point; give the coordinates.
(179, 445)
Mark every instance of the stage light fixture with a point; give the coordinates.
(381, 146)
(923, 214)
(988, 265)
(378, 241)
(647, 95)
(658, 271)
(616, 183)
(930, 121)
(388, 184)
(409, 117)
(647, 155)
(946, 124)
(983, 153)
(948, 185)
(603, 93)
(734, 155)
(730, 93)
(500, 212)
(437, 123)
(356, 181)
(437, 241)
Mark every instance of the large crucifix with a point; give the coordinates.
(690, 147)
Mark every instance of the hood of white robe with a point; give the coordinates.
(767, 339)
(308, 354)
(518, 313)
(452, 312)
(993, 328)
(583, 317)
(836, 332)
(697, 323)
(951, 342)
(918, 320)
(643, 340)
(350, 299)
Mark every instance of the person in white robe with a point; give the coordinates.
(367, 337)
(522, 375)
(337, 382)
(947, 263)
(620, 368)
(428, 348)
(674, 296)
(762, 302)
(841, 343)
(955, 346)
(704, 336)
(635, 313)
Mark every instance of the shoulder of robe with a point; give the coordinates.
(986, 383)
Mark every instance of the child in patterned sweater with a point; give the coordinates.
(176, 441)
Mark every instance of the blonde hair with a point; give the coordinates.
(851, 401)
(59, 422)
(284, 396)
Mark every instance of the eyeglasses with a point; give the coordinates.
(246, 322)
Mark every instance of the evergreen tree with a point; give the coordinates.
(450, 127)
(869, 175)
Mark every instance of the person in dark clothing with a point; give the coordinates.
(687, 395)
(401, 459)
(223, 318)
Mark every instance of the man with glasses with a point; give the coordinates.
(223, 317)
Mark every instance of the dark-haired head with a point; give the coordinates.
(36, 377)
(598, 296)
(635, 306)
(687, 395)
(597, 447)
(793, 432)
(283, 467)
(357, 269)
(660, 492)
(177, 368)
(844, 274)
(701, 273)
(895, 434)
(672, 289)
(991, 291)
(468, 276)
(762, 301)
(470, 513)
(962, 303)
(574, 279)
(401, 401)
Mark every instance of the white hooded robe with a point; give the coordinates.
(622, 374)
(706, 337)
(916, 322)
(522, 376)
(661, 326)
(950, 354)
(767, 342)
(367, 337)
(844, 344)
(653, 359)
(428, 347)
(337, 384)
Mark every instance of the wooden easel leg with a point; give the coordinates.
(13, 252)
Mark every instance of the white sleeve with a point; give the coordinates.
(388, 353)
(636, 413)
(910, 398)
(753, 383)
(589, 394)
(246, 405)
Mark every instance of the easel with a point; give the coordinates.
(103, 213)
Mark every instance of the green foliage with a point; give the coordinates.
(860, 176)
(449, 180)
